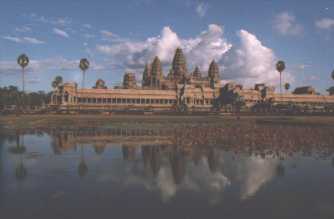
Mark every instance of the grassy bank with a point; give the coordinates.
(50, 121)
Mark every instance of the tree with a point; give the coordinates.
(23, 61)
(84, 65)
(287, 86)
(280, 67)
(57, 82)
(82, 168)
(333, 74)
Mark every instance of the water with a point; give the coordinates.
(190, 171)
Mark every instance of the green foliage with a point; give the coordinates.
(280, 66)
(12, 96)
(287, 86)
(23, 60)
(84, 64)
(57, 82)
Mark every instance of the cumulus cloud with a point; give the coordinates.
(286, 24)
(29, 40)
(246, 62)
(253, 173)
(251, 62)
(208, 45)
(202, 8)
(60, 33)
(325, 23)
(135, 54)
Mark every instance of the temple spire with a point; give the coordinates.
(213, 73)
(146, 75)
(179, 65)
(156, 72)
(197, 73)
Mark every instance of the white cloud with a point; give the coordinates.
(53, 63)
(62, 21)
(202, 8)
(23, 29)
(29, 40)
(325, 23)
(13, 39)
(88, 36)
(33, 40)
(210, 44)
(60, 32)
(251, 62)
(248, 62)
(106, 33)
(286, 24)
(255, 172)
(59, 21)
(88, 26)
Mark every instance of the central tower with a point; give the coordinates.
(179, 66)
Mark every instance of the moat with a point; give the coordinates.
(236, 169)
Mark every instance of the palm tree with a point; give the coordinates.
(82, 168)
(287, 86)
(84, 65)
(57, 81)
(280, 67)
(23, 61)
(19, 149)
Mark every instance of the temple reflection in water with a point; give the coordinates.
(165, 166)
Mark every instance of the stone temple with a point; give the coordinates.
(178, 91)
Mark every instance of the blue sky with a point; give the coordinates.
(245, 38)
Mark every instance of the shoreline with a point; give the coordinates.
(56, 121)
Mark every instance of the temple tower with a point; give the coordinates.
(129, 81)
(213, 74)
(156, 73)
(146, 76)
(196, 74)
(179, 66)
(100, 84)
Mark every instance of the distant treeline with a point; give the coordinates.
(12, 96)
